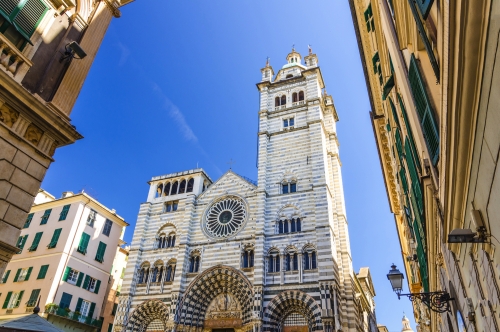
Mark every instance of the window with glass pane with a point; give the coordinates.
(293, 187)
(15, 300)
(107, 227)
(72, 276)
(291, 122)
(285, 123)
(91, 218)
(33, 298)
(284, 187)
(174, 205)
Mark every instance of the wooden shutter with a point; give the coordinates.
(29, 16)
(64, 212)
(65, 300)
(5, 277)
(17, 275)
(97, 285)
(410, 133)
(388, 87)
(100, 252)
(424, 110)
(86, 282)
(36, 241)
(404, 180)
(7, 299)
(28, 273)
(66, 273)
(115, 306)
(43, 272)
(80, 278)
(45, 216)
(91, 310)
(84, 242)
(79, 304)
(30, 216)
(55, 238)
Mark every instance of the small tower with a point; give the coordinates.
(406, 324)
(311, 59)
(267, 72)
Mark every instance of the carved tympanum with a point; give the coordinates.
(224, 306)
(33, 134)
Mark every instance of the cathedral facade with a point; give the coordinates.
(233, 255)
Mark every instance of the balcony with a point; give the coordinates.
(74, 316)
(12, 61)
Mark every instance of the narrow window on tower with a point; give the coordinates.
(285, 123)
(285, 188)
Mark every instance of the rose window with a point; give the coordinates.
(225, 217)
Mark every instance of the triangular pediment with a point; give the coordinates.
(229, 183)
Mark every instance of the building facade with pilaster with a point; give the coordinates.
(431, 69)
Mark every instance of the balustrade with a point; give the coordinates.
(12, 60)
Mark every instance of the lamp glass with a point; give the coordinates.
(396, 279)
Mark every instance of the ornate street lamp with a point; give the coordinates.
(436, 301)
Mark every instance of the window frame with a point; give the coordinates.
(107, 227)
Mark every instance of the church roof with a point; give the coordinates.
(31, 322)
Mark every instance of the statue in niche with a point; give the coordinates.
(8, 116)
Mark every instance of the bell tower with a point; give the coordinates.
(305, 233)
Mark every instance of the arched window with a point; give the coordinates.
(285, 224)
(182, 187)
(247, 257)
(293, 187)
(299, 228)
(171, 240)
(301, 95)
(294, 97)
(159, 190)
(143, 273)
(289, 76)
(161, 241)
(194, 262)
(283, 100)
(310, 261)
(141, 276)
(280, 227)
(289, 187)
(277, 101)
(284, 188)
(274, 261)
(174, 188)
(155, 274)
(166, 191)
(292, 226)
(190, 186)
(160, 274)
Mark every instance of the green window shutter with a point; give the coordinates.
(100, 252)
(388, 87)
(84, 242)
(375, 60)
(7, 299)
(410, 133)
(28, 220)
(64, 212)
(29, 16)
(25, 239)
(45, 216)
(399, 144)
(33, 298)
(80, 278)
(17, 275)
(28, 274)
(86, 282)
(115, 306)
(91, 310)
(16, 305)
(404, 180)
(55, 238)
(43, 272)
(394, 112)
(65, 300)
(424, 110)
(415, 180)
(110, 327)
(97, 285)
(424, 6)
(66, 273)
(36, 241)
(5, 276)
(370, 26)
(79, 304)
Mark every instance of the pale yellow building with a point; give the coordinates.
(67, 249)
(431, 72)
(47, 48)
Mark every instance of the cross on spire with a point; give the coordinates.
(231, 162)
(293, 48)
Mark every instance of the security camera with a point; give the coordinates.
(462, 236)
(77, 49)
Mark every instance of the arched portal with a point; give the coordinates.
(220, 283)
(292, 307)
(151, 315)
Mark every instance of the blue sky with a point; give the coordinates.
(173, 87)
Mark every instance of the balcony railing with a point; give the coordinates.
(75, 316)
(12, 60)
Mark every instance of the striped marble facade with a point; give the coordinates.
(305, 276)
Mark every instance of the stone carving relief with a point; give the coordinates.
(8, 116)
(224, 306)
(33, 134)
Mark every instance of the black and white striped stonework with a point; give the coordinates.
(300, 276)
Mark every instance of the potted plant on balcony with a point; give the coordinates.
(51, 307)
